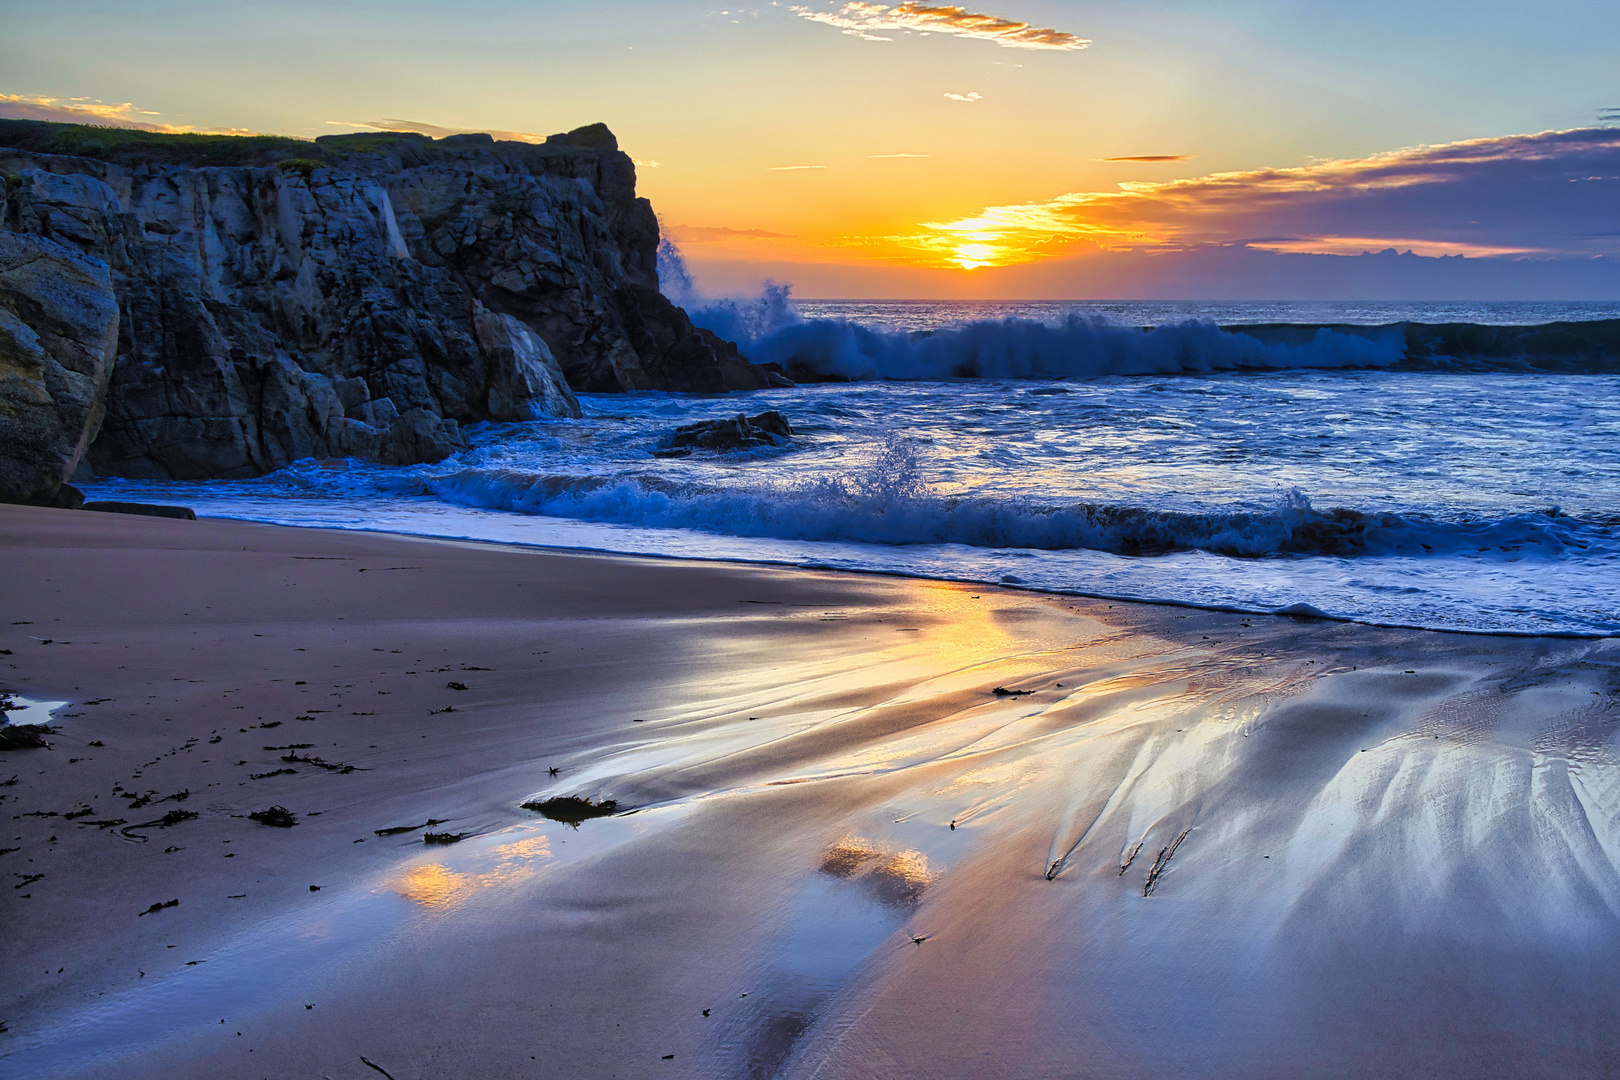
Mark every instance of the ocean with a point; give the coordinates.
(1060, 446)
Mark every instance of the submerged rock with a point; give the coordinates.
(109, 506)
(729, 435)
(364, 298)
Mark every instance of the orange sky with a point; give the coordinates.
(888, 149)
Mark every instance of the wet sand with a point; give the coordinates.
(1184, 843)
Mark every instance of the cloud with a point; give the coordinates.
(98, 113)
(1152, 157)
(638, 163)
(704, 234)
(1360, 245)
(434, 131)
(1484, 196)
(971, 95)
(865, 20)
(793, 168)
(896, 155)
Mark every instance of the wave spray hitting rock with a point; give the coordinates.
(364, 298)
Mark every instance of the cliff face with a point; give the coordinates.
(58, 327)
(365, 301)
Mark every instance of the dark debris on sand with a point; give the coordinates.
(572, 809)
(25, 736)
(278, 816)
(173, 817)
(398, 829)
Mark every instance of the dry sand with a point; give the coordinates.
(1365, 852)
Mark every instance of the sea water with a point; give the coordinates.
(1061, 447)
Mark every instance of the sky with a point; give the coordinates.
(1009, 147)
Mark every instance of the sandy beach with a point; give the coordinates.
(866, 827)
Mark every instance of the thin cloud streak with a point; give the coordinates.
(1152, 157)
(98, 113)
(1485, 196)
(867, 21)
(971, 95)
(1357, 245)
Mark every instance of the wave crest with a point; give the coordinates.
(889, 503)
(768, 329)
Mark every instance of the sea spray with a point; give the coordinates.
(768, 328)
(889, 502)
(674, 277)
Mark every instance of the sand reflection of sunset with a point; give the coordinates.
(436, 887)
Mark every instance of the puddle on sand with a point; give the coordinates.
(17, 709)
(288, 957)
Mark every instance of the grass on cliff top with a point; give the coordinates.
(129, 146)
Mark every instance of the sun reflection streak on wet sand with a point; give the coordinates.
(437, 888)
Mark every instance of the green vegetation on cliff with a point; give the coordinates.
(128, 146)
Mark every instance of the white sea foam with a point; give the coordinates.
(889, 504)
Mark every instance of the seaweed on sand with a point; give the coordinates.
(278, 816)
(572, 809)
(24, 736)
(173, 817)
(397, 829)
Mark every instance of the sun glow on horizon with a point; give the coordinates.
(1005, 236)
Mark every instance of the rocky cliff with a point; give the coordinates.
(58, 328)
(367, 297)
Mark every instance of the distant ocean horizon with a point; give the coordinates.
(1057, 445)
(930, 314)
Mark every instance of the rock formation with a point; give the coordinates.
(728, 435)
(58, 328)
(366, 297)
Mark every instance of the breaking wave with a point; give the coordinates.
(768, 329)
(889, 504)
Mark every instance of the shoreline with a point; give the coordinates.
(870, 825)
(1036, 590)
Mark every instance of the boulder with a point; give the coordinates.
(58, 337)
(525, 381)
(728, 435)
